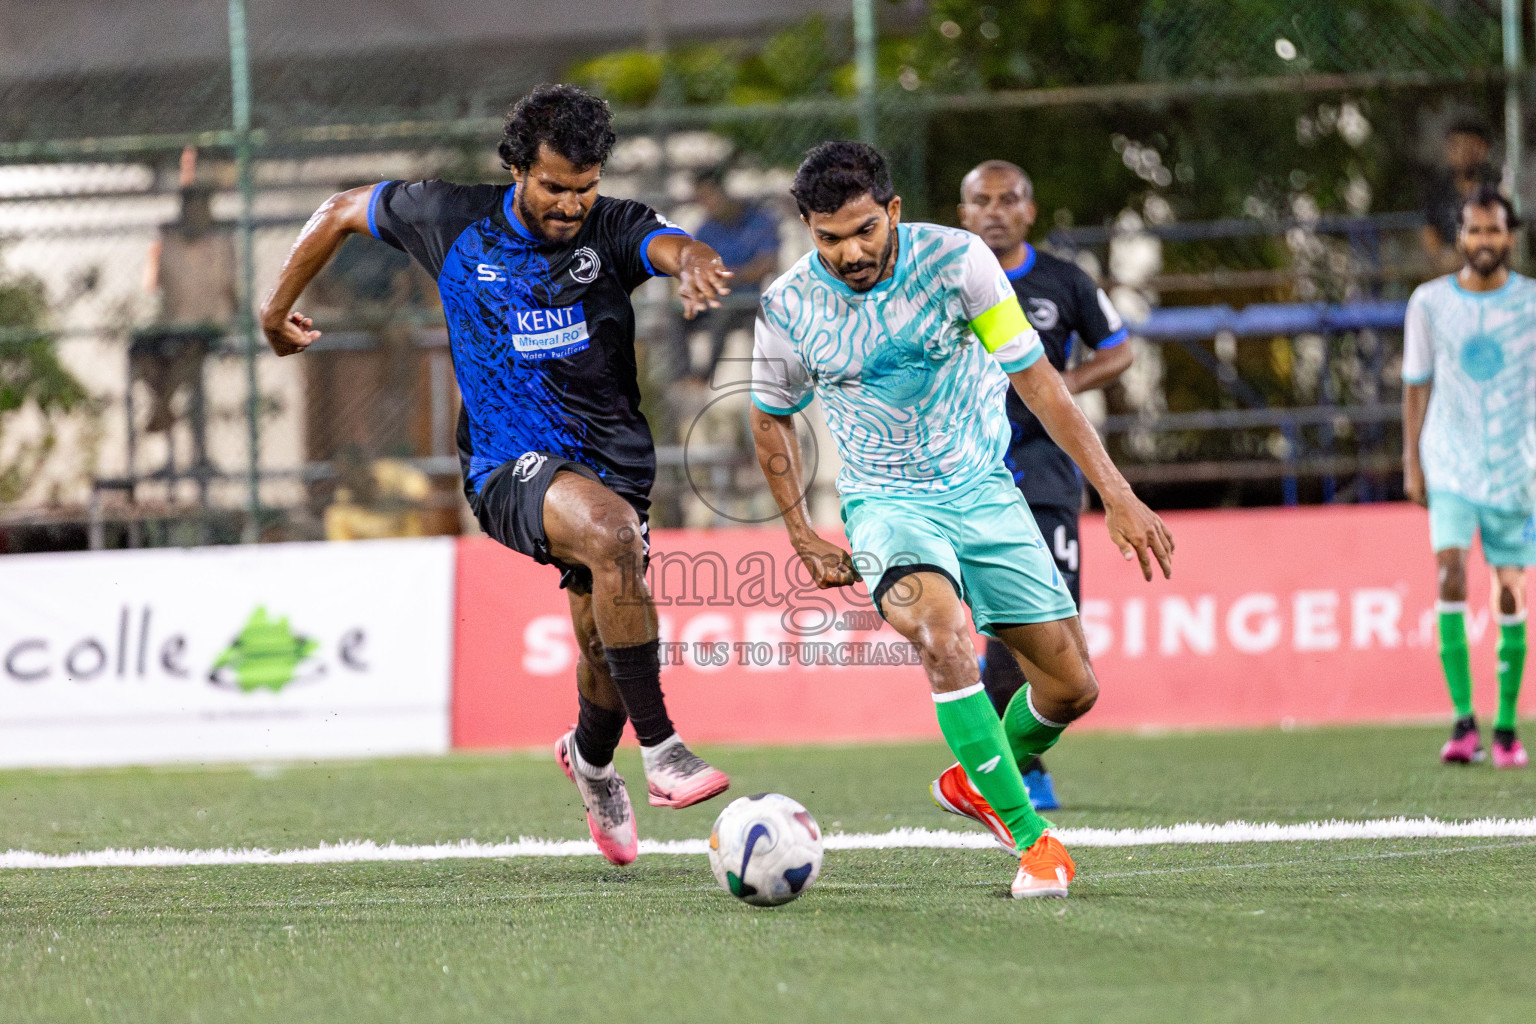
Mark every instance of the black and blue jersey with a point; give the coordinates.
(1062, 302)
(543, 335)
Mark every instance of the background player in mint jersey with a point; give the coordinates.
(535, 279)
(909, 334)
(1469, 452)
(997, 202)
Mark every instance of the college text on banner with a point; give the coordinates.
(276, 651)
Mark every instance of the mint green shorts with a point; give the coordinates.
(1509, 538)
(984, 540)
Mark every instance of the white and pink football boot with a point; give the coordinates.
(610, 816)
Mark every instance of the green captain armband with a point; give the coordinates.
(1000, 324)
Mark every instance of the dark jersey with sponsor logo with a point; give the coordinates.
(1062, 302)
(543, 335)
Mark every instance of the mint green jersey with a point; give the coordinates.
(1479, 349)
(911, 373)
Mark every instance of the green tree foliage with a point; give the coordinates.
(31, 376)
(1246, 38)
(964, 45)
(809, 59)
(1220, 157)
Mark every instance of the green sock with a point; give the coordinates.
(970, 727)
(1029, 735)
(1454, 656)
(1511, 652)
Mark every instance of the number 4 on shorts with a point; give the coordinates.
(1066, 551)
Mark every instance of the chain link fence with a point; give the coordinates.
(1217, 39)
(1202, 183)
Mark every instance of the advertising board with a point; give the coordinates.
(1273, 617)
(277, 651)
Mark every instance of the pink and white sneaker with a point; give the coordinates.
(677, 777)
(610, 817)
(1464, 746)
(1507, 751)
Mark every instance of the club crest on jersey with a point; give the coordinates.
(1043, 314)
(548, 333)
(528, 465)
(585, 265)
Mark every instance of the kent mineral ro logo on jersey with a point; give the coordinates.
(549, 333)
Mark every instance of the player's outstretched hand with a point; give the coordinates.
(293, 334)
(830, 565)
(702, 283)
(1139, 533)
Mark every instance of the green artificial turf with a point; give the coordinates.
(1360, 930)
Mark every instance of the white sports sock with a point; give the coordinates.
(650, 755)
(579, 763)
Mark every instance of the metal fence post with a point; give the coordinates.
(864, 38)
(1513, 84)
(240, 96)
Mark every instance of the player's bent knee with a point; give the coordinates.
(1069, 697)
(944, 647)
(1453, 575)
(613, 542)
(1084, 698)
(1509, 599)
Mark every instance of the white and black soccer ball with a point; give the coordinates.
(765, 849)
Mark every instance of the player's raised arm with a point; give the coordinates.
(1133, 527)
(288, 331)
(701, 275)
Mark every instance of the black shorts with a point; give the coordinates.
(1058, 525)
(510, 508)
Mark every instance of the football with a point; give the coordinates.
(765, 849)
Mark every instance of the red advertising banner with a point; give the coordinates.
(1312, 615)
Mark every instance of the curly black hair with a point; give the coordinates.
(570, 121)
(836, 172)
(1486, 197)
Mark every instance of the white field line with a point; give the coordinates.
(360, 851)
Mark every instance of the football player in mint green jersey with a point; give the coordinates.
(910, 334)
(1469, 453)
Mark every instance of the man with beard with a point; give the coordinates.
(1469, 453)
(535, 279)
(997, 202)
(909, 334)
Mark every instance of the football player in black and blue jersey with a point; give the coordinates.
(535, 278)
(1063, 303)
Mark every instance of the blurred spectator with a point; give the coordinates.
(1468, 167)
(377, 499)
(192, 266)
(747, 238)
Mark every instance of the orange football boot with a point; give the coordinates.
(954, 793)
(1045, 869)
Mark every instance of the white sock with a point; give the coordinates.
(650, 755)
(581, 766)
